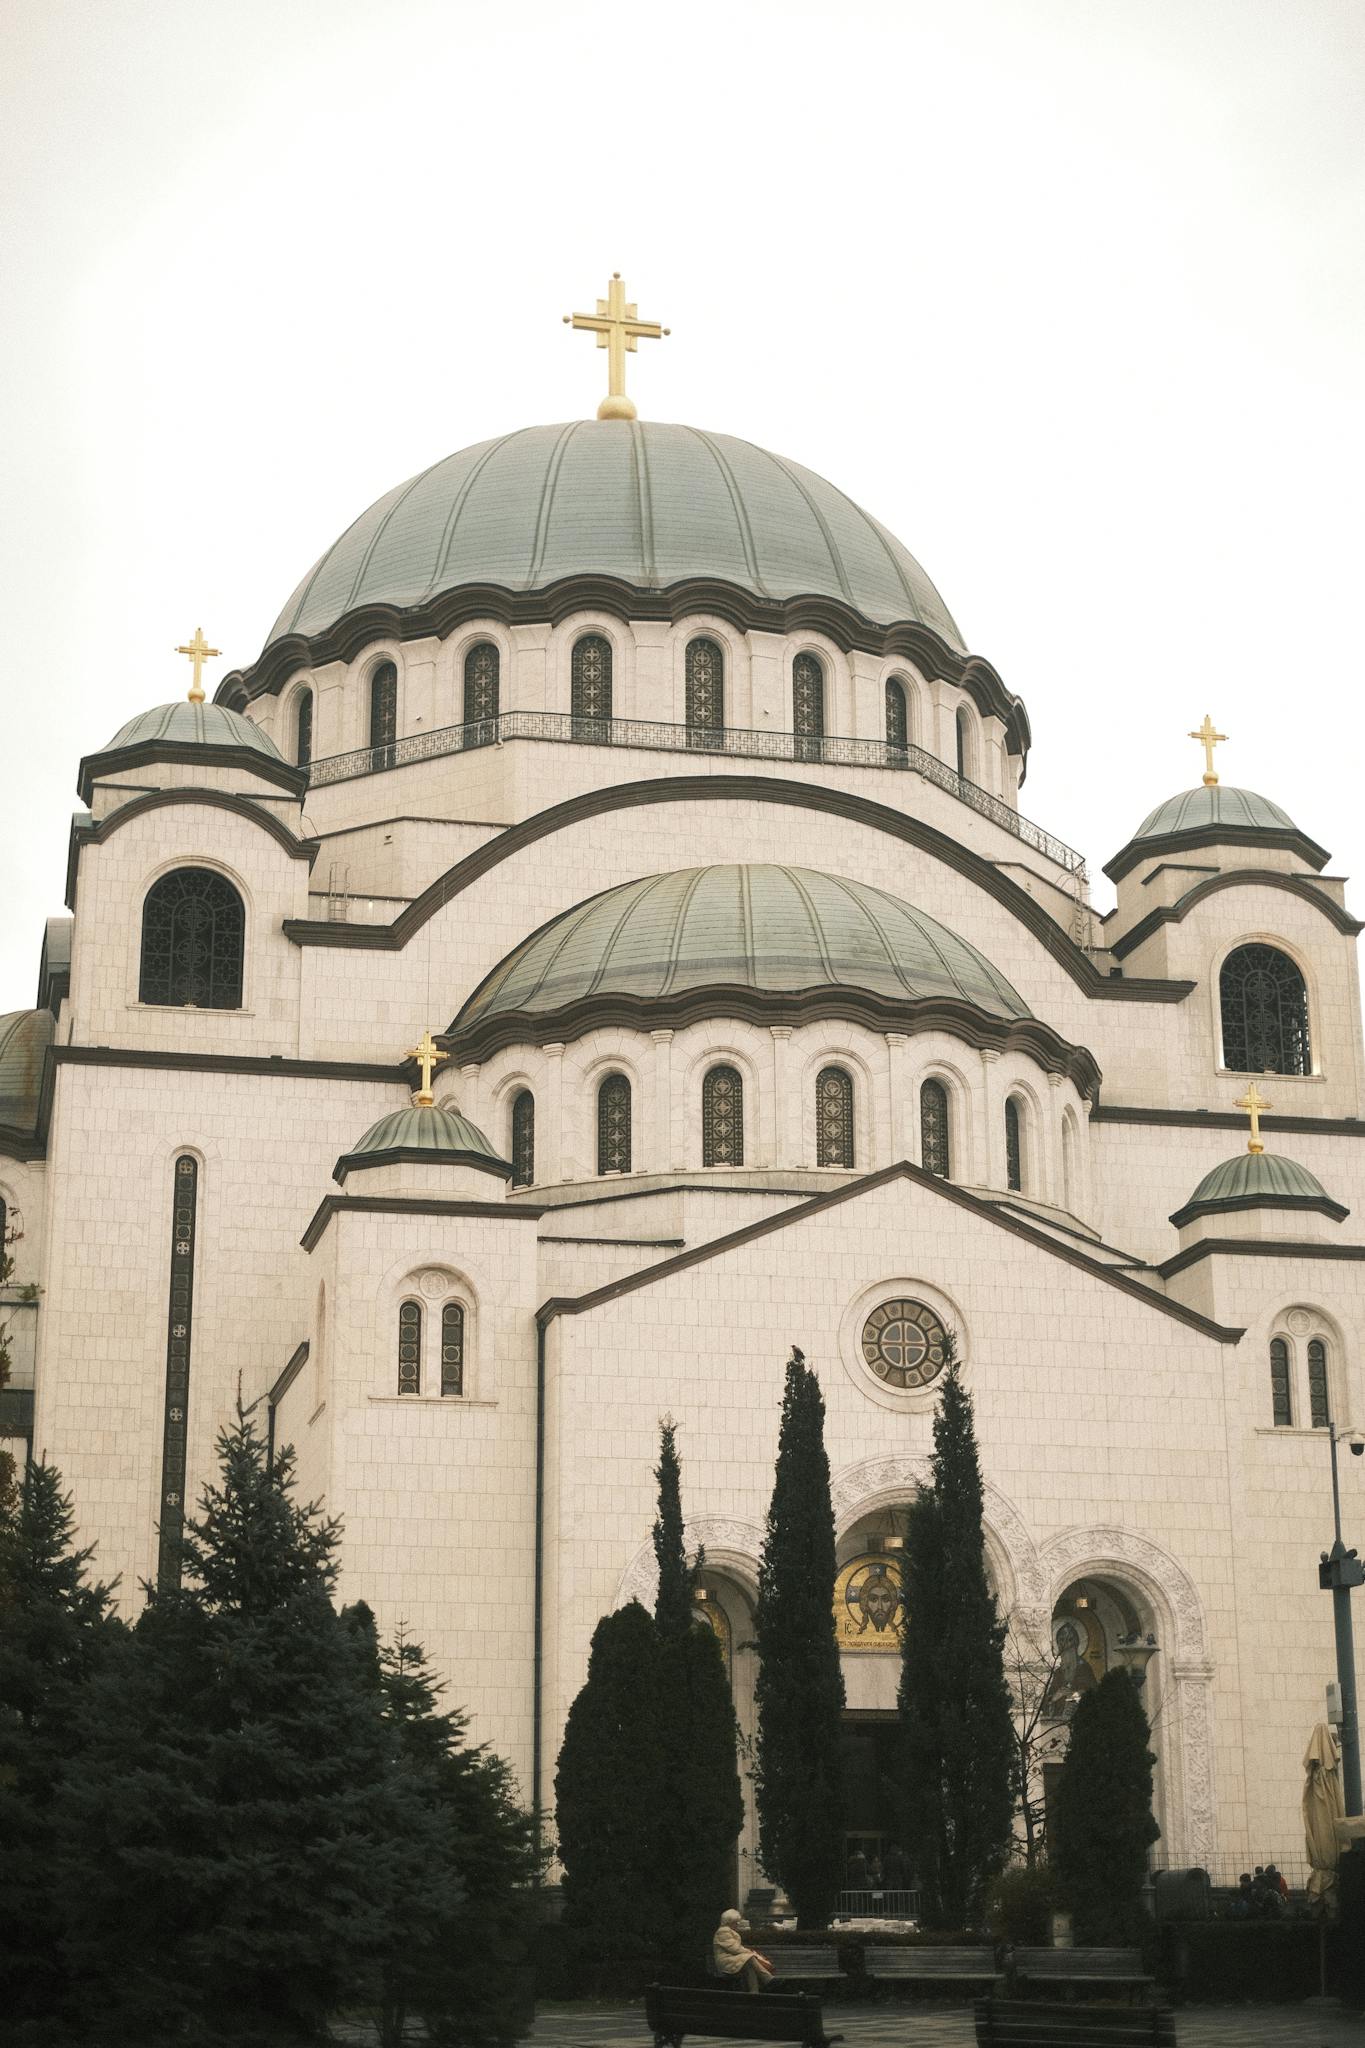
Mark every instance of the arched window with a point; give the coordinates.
(193, 933)
(482, 667)
(303, 728)
(1319, 1400)
(383, 715)
(1281, 1405)
(964, 743)
(933, 1129)
(613, 1125)
(808, 706)
(1265, 1013)
(410, 1348)
(705, 668)
(897, 717)
(834, 1117)
(590, 688)
(1014, 1150)
(523, 1139)
(722, 1118)
(452, 1350)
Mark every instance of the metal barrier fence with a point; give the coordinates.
(654, 735)
(878, 1905)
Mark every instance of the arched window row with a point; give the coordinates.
(303, 728)
(523, 1146)
(834, 1117)
(704, 681)
(482, 687)
(613, 1125)
(1014, 1148)
(590, 687)
(897, 718)
(193, 942)
(383, 715)
(1264, 1006)
(451, 1363)
(722, 1117)
(1286, 1394)
(934, 1142)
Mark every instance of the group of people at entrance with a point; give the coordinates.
(874, 1873)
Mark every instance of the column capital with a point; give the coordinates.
(661, 1037)
(989, 1055)
(780, 1030)
(553, 1052)
(897, 1038)
(471, 1072)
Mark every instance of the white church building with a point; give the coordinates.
(653, 778)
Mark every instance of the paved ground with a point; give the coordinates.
(933, 2026)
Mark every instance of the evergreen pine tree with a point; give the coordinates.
(800, 1693)
(955, 1705)
(238, 1845)
(9, 1471)
(55, 1628)
(702, 1806)
(609, 1793)
(1102, 1823)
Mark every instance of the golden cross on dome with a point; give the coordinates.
(617, 326)
(1253, 1102)
(1210, 737)
(199, 652)
(427, 1055)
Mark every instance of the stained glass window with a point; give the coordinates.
(904, 1344)
(179, 1326)
(482, 667)
(303, 728)
(833, 1117)
(705, 693)
(1014, 1156)
(410, 1348)
(613, 1125)
(590, 688)
(1281, 1408)
(383, 715)
(964, 743)
(523, 1139)
(808, 706)
(934, 1151)
(193, 931)
(1265, 1013)
(1319, 1404)
(897, 717)
(722, 1118)
(452, 1349)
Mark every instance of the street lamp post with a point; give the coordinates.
(1339, 1571)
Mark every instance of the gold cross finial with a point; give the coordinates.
(427, 1055)
(1253, 1102)
(618, 327)
(199, 652)
(1210, 738)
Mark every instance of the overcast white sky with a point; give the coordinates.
(1067, 292)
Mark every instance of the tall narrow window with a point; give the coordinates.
(964, 743)
(1070, 1194)
(933, 1129)
(303, 728)
(383, 716)
(179, 1328)
(1281, 1408)
(590, 688)
(613, 1125)
(722, 1118)
(410, 1348)
(897, 719)
(452, 1350)
(808, 706)
(481, 675)
(834, 1117)
(1014, 1152)
(1319, 1402)
(1265, 1013)
(193, 931)
(705, 693)
(523, 1139)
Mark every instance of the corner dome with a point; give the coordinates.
(1212, 815)
(207, 733)
(1259, 1180)
(25, 1036)
(423, 1133)
(647, 503)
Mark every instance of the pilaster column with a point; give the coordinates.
(897, 1137)
(1050, 1185)
(469, 1094)
(663, 1142)
(785, 1125)
(1187, 1755)
(989, 1165)
(552, 1149)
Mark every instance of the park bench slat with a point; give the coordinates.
(947, 1965)
(805, 1962)
(1080, 1966)
(674, 2011)
(1014, 2023)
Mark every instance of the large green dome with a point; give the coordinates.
(25, 1036)
(766, 929)
(651, 504)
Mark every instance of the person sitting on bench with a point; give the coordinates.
(749, 1970)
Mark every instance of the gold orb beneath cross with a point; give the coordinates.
(617, 407)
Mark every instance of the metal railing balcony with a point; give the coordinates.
(736, 742)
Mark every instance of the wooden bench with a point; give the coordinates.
(933, 1965)
(1089, 1967)
(807, 1964)
(1029, 2023)
(672, 2013)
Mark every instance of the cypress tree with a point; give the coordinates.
(800, 1692)
(955, 1706)
(609, 1795)
(55, 1630)
(1102, 1824)
(702, 1807)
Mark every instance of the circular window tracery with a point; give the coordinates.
(904, 1344)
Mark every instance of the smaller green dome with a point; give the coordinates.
(1259, 1180)
(25, 1036)
(1207, 808)
(185, 724)
(418, 1133)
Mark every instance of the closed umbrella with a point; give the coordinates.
(1323, 1807)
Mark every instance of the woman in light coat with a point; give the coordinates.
(730, 1958)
